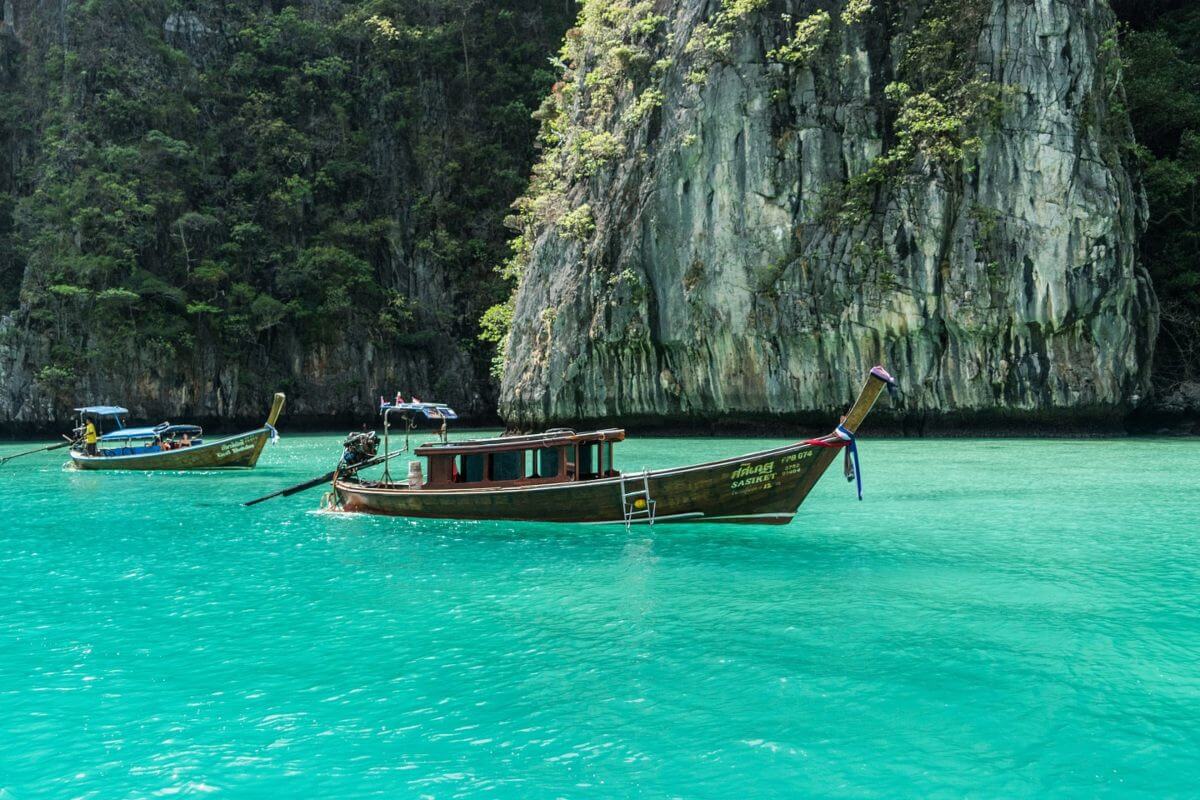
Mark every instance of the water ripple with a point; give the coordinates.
(996, 619)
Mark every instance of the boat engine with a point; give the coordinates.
(359, 448)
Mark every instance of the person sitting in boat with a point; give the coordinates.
(187, 440)
(90, 438)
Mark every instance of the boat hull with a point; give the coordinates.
(241, 450)
(760, 488)
(766, 487)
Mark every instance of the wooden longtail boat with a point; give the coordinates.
(169, 447)
(563, 476)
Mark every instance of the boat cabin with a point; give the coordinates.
(139, 441)
(122, 441)
(555, 456)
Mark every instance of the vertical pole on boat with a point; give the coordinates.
(387, 476)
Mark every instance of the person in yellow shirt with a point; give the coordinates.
(90, 438)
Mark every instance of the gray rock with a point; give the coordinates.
(1183, 399)
(714, 285)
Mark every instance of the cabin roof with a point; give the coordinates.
(501, 444)
(104, 411)
(429, 410)
(148, 433)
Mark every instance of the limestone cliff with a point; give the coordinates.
(744, 205)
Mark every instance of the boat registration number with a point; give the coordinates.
(754, 477)
(233, 448)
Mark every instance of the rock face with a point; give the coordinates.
(733, 261)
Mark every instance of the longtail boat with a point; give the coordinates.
(564, 476)
(166, 446)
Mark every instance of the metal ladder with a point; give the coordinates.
(629, 498)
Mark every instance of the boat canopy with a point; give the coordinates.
(553, 438)
(130, 433)
(149, 433)
(556, 456)
(429, 410)
(104, 411)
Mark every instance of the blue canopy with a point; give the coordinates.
(179, 429)
(149, 433)
(104, 411)
(429, 410)
(130, 433)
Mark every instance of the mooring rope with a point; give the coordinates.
(845, 439)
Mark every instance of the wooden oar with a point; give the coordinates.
(326, 478)
(56, 446)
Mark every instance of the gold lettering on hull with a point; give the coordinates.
(233, 448)
(757, 477)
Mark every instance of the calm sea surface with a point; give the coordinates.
(995, 619)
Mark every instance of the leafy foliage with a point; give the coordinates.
(712, 41)
(807, 40)
(856, 11)
(1161, 50)
(241, 178)
(608, 90)
(942, 99)
(578, 224)
(939, 103)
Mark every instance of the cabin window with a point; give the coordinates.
(471, 468)
(548, 462)
(589, 460)
(506, 466)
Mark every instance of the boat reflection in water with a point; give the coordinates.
(564, 476)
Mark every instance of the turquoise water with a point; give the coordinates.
(996, 618)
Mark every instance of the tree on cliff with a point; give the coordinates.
(241, 184)
(1162, 52)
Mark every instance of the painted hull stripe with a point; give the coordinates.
(634, 521)
(776, 515)
(694, 515)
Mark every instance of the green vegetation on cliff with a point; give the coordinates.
(1161, 49)
(244, 181)
(236, 186)
(609, 87)
(937, 105)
